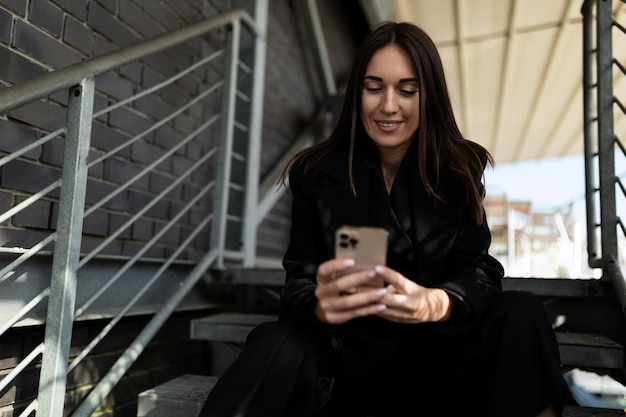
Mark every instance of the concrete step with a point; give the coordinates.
(183, 396)
(227, 327)
(575, 411)
(590, 351)
(577, 350)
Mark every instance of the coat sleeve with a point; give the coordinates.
(472, 276)
(305, 252)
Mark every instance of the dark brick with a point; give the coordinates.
(6, 24)
(14, 136)
(18, 6)
(36, 215)
(90, 243)
(77, 8)
(167, 138)
(110, 5)
(139, 201)
(113, 85)
(171, 236)
(185, 123)
(10, 238)
(96, 224)
(103, 45)
(105, 138)
(154, 107)
(97, 191)
(78, 35)
(163, 15)
(47, 16)
(20, 175)
(175, 95)
(183, 10)
(103, 22)
(180, 165)
(136, 18)
(159, 183)
(129, 121)
(162, 64)
(121, 171)
(41, 45)
(115, 224)
(145, 153)
(142, 230)
(42, 114)
(132, 71)
(52, 153)
(150, 77)
(16, 68)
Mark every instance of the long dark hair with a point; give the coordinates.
(442, 151)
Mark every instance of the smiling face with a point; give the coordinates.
(390, 100)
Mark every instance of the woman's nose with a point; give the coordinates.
(389, 102)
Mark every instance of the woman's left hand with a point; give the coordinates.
(409, 302)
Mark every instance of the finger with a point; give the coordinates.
(339, 317)
(393, 278)
(354, 301)
(327, 271)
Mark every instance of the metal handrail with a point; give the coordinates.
(61, 294)
(47, 84)
(601, 143)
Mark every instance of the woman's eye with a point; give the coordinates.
(372, 89)
(408, 92)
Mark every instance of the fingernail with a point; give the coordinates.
(371, 274)
(381, 307)
(379, 269)
(381, 292)
(351, 290)
(348, 262)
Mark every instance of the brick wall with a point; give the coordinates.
(38, 36)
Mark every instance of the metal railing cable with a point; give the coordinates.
(182, 215)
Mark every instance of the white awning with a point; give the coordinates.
(514, 69)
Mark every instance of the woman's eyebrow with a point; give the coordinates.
(402, 80)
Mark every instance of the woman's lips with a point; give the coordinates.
(388, 125)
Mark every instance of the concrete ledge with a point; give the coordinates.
(183, 396)
(227, 327)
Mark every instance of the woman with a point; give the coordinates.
(440, 338)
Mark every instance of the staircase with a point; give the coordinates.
(579, 347)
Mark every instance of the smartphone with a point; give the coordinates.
(366, 245)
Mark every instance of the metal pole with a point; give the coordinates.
(593, 259)
(255, 135)
(322, 60)
(60, 316)
(220, 202)
(606, 147)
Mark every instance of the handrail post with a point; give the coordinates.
(606, 146)
(593, 258)
(249, 232)
(60, 316)
(224, 163)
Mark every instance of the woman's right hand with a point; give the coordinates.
(343, 298)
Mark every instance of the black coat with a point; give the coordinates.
(434, 243)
